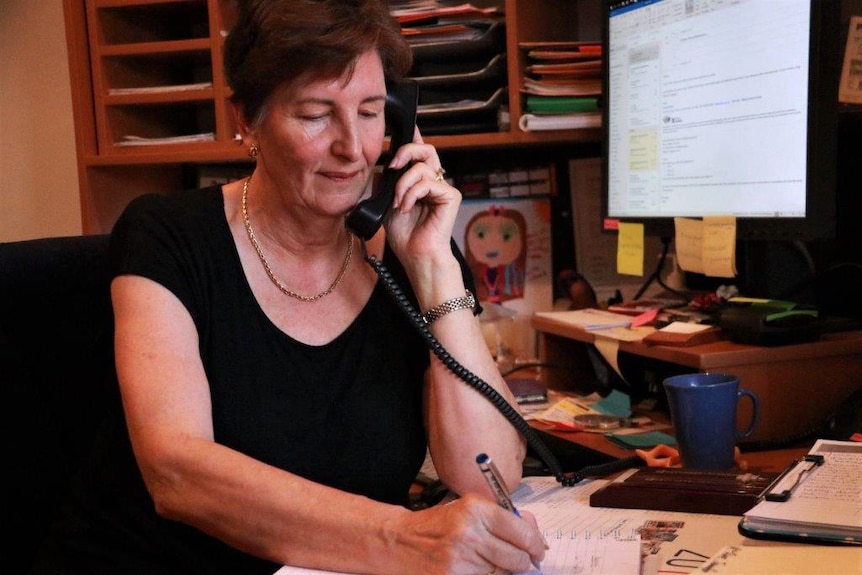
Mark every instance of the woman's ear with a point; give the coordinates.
(241, 124)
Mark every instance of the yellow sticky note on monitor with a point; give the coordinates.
(630, 249)
(688, 241)
(719, 246)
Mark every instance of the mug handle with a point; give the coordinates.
(755, 412)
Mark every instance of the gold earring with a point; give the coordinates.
(253, 151)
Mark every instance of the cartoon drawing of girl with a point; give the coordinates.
(496, 243)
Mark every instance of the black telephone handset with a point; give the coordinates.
(401, 100)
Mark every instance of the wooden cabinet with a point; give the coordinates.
(153, 69)
(156, 73)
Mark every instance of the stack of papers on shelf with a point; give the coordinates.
(160, 89)
(561, 79)
(567, 68)
(578, 120)
(131, 140)
(433, 22)
(412, 12)
(561, 87)
(589, 319)
(441, 33)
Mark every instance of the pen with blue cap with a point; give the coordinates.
(492, 475)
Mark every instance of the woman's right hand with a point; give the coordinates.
(469, 536)
(426, 206)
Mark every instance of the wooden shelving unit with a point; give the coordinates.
(153, 68)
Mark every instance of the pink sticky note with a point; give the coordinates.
(645, 318)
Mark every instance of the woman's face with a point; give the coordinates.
(494, 240)
(320, 140)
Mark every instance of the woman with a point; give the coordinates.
(277, 403)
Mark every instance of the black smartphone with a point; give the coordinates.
(401, 101)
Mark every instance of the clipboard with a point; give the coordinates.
(803, 503)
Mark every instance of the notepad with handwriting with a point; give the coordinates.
(820, 502)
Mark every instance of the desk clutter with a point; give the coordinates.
(807, 390)
(686, 319)
(610, 416)
(741, 320)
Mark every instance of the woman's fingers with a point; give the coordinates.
(416, 153)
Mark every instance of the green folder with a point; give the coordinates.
(561, 104)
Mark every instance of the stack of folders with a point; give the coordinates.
(459, 62)
(562, 85)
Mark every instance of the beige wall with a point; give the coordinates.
(38, 169)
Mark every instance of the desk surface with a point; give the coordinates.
(773, 460)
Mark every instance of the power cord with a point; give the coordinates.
(655, 276)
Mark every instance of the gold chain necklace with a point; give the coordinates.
(265, 263)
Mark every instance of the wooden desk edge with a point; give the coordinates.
(716, 354)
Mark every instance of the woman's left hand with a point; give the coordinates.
(425, 208)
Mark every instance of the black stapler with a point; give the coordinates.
(769, 323)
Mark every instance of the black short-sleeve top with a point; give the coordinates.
(347, 413)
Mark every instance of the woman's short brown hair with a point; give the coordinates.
(278, 41)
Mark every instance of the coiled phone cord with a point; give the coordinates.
(470, 378)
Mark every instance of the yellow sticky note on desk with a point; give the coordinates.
(630, 249)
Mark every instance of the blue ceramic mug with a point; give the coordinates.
(703, 413)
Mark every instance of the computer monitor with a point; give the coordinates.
(722, 107)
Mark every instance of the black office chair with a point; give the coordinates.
(56, 375)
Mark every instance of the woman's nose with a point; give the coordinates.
(347, 142)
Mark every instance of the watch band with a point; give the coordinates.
(454, 304)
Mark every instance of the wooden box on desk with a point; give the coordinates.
(731, 492)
